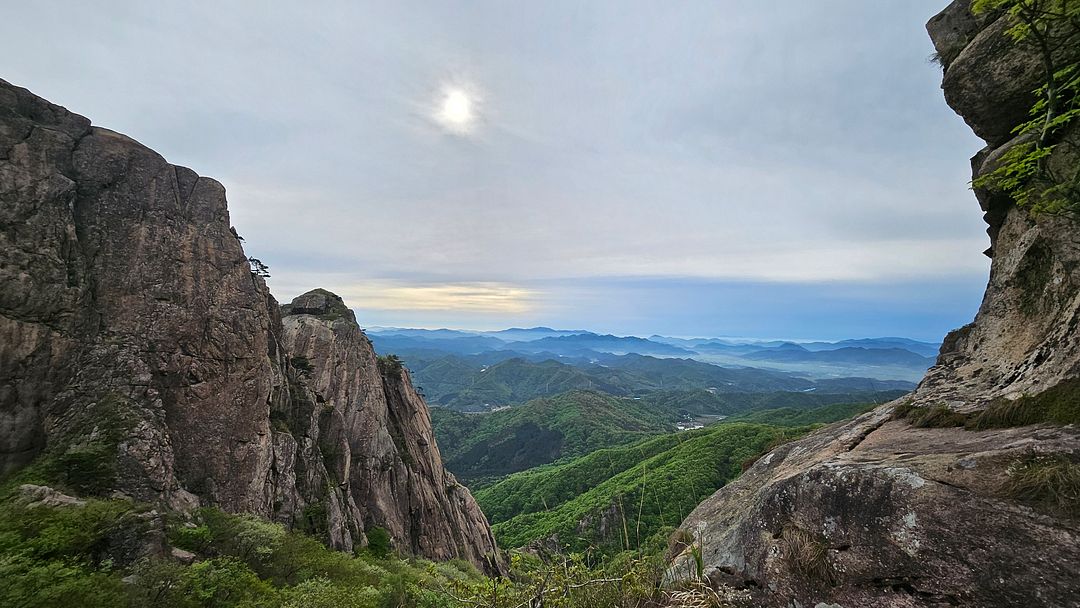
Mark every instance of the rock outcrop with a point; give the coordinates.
(378, 437)
(878, 513)
(139, 355)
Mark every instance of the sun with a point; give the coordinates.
(455, 112)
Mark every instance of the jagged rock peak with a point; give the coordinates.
(141, 356)
(320, 303)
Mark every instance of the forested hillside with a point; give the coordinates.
(481, 447)
(625, 497)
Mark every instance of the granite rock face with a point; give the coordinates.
(139, 350)
(876, 513)
(383, 446)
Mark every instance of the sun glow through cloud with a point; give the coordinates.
(459, 297)
(456, 111)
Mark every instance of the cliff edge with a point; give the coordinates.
(141, 357)
(966, 492)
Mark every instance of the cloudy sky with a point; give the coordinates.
(723, 168)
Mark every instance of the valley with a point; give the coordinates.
(479, 372)
(174, 436)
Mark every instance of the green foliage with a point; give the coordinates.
(379, 544)
(223, 582)
(34, 583)
(313, 518)
(735, 404)
(480, 447)
(802, 417)
(323, 593)
(623, 511)
(571, 581)
(65, 533)
(1026, 171)
(60, 556)
(390, 366)
(931, 417)
(191, 537)
(70, 556)
(84, 459)
(679, 470)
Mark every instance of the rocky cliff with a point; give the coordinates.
(140, 356)
(964, 493)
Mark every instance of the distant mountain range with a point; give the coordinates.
(478, 371)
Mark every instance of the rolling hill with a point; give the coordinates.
(479, 448)
(627, 496)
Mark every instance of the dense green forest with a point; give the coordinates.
(629, 508)
(630, 497)
(480, 448)
(484, 381)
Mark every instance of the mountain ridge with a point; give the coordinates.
(145, 358)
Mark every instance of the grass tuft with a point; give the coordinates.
(697, 594)
(1057, 405)
(807, 554)
(1051, 481)
(935, 417)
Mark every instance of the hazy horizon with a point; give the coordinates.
(749, 339)
(619, 166)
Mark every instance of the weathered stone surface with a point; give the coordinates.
(904, 517)
(133, 331)
(990, 78)
(991, 81)
(952, 29)
(44, 496)
(887, 515)
(384, 447)
(182, 556)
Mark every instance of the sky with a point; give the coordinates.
(712, 168)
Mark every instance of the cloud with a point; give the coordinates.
(387, 295)
(458, 297)
(757, 143)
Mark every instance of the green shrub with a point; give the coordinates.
(1027, 171)
(323, 593)
(389, 365)
(225, 581)
(379, 544)
(44, 533)
(29, 583)
(313, 518)
(196, 539)
(937, 417)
